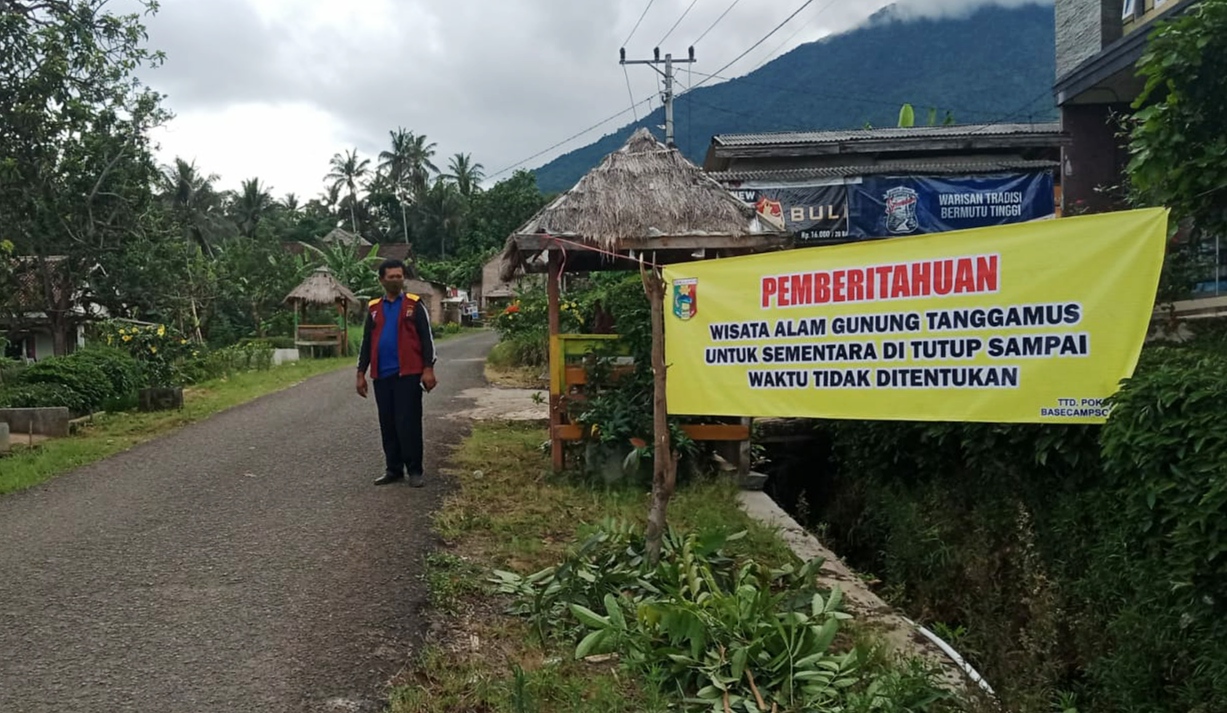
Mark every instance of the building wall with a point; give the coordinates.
(1095, 157)
(1083, 28)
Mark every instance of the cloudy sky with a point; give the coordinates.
(273, 88)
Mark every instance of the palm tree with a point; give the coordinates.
(418, 155)
(252, 203)
(290, 203)
(466, 174)
(348, 171)
(443, 212)
(192, 200)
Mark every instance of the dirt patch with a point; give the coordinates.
(494, 404)
(518, 377)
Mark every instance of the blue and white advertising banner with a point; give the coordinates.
(883, 206)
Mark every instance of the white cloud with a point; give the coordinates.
(275, 87)
(287, 146)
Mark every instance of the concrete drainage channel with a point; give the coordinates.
(905, 636)
(34, 424)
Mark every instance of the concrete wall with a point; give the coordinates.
(52, 421)
(1095, 156)
(1084, 27)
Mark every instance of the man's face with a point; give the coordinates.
(393, 280)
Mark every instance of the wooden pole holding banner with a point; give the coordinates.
(664, 466)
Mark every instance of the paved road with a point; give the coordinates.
(245, 563)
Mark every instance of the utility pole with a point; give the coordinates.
(667, 96)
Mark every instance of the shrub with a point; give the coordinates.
(82, 376)
(42, 395)
(1079, 559)
(159, 350)
(219, 363)
(122, 372)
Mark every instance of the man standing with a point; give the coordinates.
(399, 349)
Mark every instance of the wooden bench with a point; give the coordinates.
(320, 335)
(567, 371)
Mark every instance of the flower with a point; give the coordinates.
(153, 349)
(183, 341)
(161, 330)
(127, 337)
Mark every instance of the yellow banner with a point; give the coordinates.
(1028, 323)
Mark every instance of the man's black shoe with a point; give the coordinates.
(417, 480)
(388, 478)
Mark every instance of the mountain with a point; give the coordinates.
(996, 64)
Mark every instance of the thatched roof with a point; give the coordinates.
(321, 288)
(642, 191)
(340, 236)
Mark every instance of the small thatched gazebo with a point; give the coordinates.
(322, 289)
(645, 200)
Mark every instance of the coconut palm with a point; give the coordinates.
(349, 171)
(192, 200)
(290, 203)
(252, 203)
(465, 174)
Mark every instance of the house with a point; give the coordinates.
(492, 293)
(829, 187)
(1099, 43)
(432, 294)
(26, 322)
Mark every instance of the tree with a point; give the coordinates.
(420, 166)
(495, 213)
(251, 205)
(395, 165)
(76, 170)
(1178, 136)
(348, 172)
(192, 201)
(465, 174)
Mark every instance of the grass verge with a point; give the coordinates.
(508, 513)
(503, 370)
(113, 433)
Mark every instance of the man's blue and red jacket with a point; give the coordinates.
(411, 343)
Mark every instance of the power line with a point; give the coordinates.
(640, 21)
(765, 37)
(679, 21)
(569, 139)
(717, 22)
(798, 31)
(630, 93)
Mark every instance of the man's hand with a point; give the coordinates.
(428, 379)
(362, 384)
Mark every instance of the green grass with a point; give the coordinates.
(510, 512)
(113, 433)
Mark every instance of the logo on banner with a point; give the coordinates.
(771, 211)
(901, 210)
(685, 298)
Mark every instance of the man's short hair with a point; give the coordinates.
(390, 264)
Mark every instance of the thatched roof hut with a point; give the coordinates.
(322, 288)
(643, 197)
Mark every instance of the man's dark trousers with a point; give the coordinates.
(399, 399)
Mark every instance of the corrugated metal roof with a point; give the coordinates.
(901, 168)
(918, 132)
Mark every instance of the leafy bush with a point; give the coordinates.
(42, 395)
(269, 342)
(1077, 559)
(440, 330)
(10, 371)
(82, 376)
(728, 635)
(218, 363)
(122, 372)
(159, 350)
(525, 325)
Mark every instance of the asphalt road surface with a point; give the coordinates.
(245, 563)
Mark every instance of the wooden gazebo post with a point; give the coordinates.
(553, 292)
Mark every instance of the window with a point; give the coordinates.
(1127, 9)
